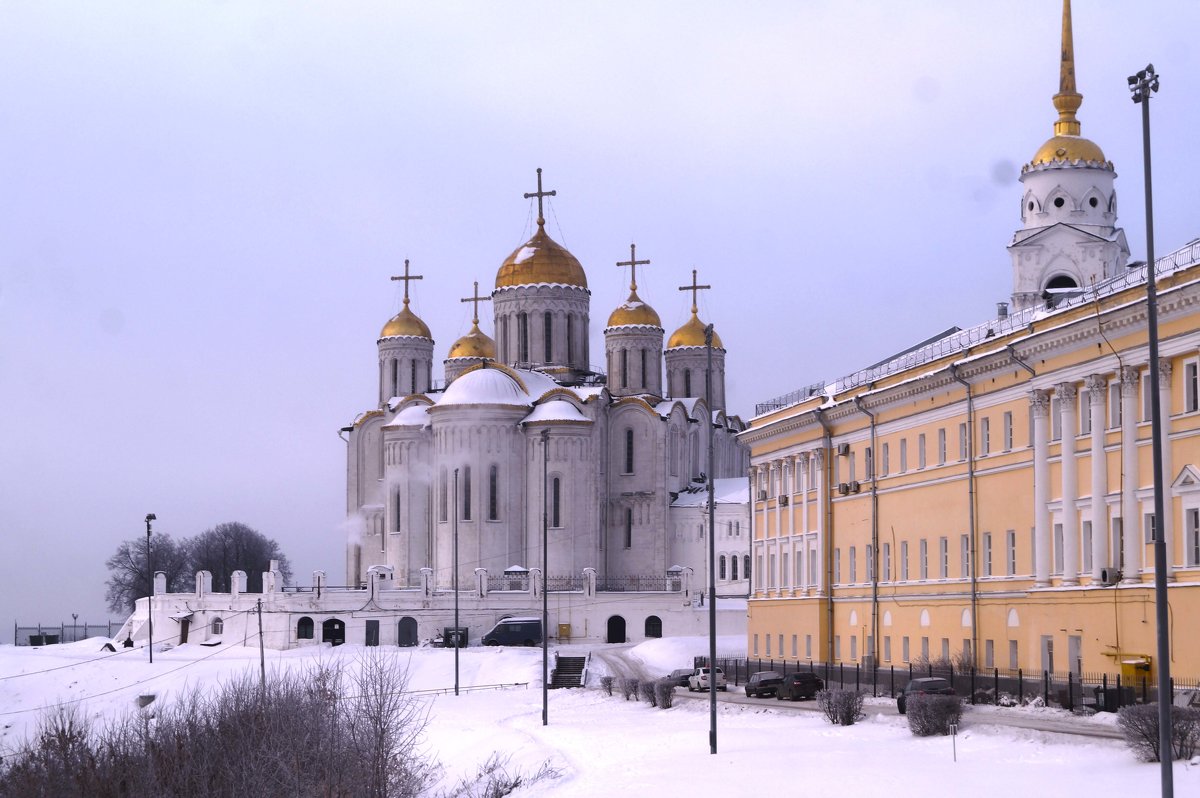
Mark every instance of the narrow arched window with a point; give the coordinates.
(304, 628)
(397, 516)
(644, 383)
(412, 376)
(570, 341)
(628, 527)
(687, 382)
(733, 569)
(395, 378)
(548, 324)
(629, 451)
(556, 502)
(522, 337)
(218, 626)
(494, 493)
(746, 567)
(504, 344)
(721, 568)
(466, 493)
(624, 368)
(442, 494)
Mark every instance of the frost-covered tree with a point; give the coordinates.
(233, 547)
(128, 579)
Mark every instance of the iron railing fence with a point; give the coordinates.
(639, 584)
(1069, 690)
(44, 634)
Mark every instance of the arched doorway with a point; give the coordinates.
(654, 626)
(333, 631)
(616, 630)
(406, 633)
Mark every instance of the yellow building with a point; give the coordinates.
(987, 496)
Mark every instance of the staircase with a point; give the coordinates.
(568, 672)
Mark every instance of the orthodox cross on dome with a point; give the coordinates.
(406, 277)
(476, 299)
(633, 263)
(541, 220)
(694, 288)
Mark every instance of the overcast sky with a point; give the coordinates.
(201, 204)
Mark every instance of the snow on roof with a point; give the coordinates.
(663, 408)
(556, 410)
(485, 386)
(734, 490)
(416, 415)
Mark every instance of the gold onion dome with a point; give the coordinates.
(474, 344)
(406, 323)
(538, 261)
(692, 334)
(1067, 146)
(634, 311)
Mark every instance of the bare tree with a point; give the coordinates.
(233, 547)
(128, 579)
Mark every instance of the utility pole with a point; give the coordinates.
(150, 573)
(545, 578)
(262, 655)
(712, 549)
(454, 580)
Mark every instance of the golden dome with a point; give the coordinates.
(634, 311)
(406, 323)
(1068, 149)
(540, 260)
(692, 334)
(474, 344)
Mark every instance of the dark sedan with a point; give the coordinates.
(796, 686)
(926, 685)
(763, 683)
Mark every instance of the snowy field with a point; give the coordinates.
(604, 746)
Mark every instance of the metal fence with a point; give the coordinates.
(1069, 690)
(639, 584)
(50, 634)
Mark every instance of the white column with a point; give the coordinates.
(1130, 517)
(819, 457)
(753, 542)
(1097, 390)
(1067, 395)
(802, 465)
(1039, 406)
(1166, 525)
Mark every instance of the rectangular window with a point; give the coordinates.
(837, 647)
(1087, 546)
(985, 436)
(853, 565)
(942, 446)
(556, 502)
(629, 527)
(964, 556)
(962, 441)
(624, 368)
(1192, 537)
(1118, 543)
(1010, 552)
(1114, 405)
(1085, 412)
(921, 450)
(853, 647)
(943, 558)
(808, 646)
(756, 645)
(1008, 431)
(1013, 662)
(884, 465)
(904, 561)
(887, 648)
(924, 564)
(1191, 386)
(768, 637)
(887, 562)
(945, 649)
(628, 451)
(925, 648)
(523, 337)
(1145, 380)
(837, 566)
(772, 576)
(987, 553)
(1058, 548)
(466, 493)
(794, 648)
(989, 653)
(1149, 526)
(397, 515)
(868, 463)
(904, 653)
(853, 477)
(1055, 418)
(903, 455)
(870, 564)
(443, 493)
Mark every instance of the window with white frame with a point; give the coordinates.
(1010, 552)
(989, 653)
(785, 572)
(924, 563)
(808, 646)
(1114, 405)
(1149, 525)
(837, 647)
(985, 436)
(887, 562)
(1118, 543)
(870, 569)
(837, 566)
(1087, 545)
(868, 463)
(962, 441)
(1058, 548)
(1008, 431)
(1013, 661)
(853, 647)
(943, 558)
(756, 645)
(921, 450)
(1191, 386)
(964, 556)
(904, 652)
(941, 446)
(1055, 418)
(904, 561)
(883, 466)
(987, 553)
(1191, 537)
(772, 575)
(1085, 412)
(1146, 395)
(887, 648)
(768, 639)
(853, 468)
(925, 648)
(853, 564)
(903, 455)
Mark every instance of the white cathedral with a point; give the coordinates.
(525, 434)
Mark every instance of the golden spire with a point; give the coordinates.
(1068, 100)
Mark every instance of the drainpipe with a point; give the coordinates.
(1012, 354)
(827, 524)
(971, 508)
(874, 565)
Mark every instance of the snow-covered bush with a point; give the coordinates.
(664, 692)
(1006, 700)
(841, 707)
(932, 714)
(606, 684)
(646, 689)
(628, 687)
(1139, 723)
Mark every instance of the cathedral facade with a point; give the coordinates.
(526, 439)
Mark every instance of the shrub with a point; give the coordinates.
(841, 707)
(1139, 723)
(646, 690)
(629, 688)
(493, 779)
(606, 684)
(985, 696)
(664, 692)
(932, 714)
(1006, 700)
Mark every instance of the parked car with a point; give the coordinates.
(926, 685)
(679, 677)
(796, 686)
(699, 679)
(515, 632)
(763, 683)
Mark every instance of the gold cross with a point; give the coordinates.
(633, 263)
(406, 278)
(541, 220)
(694, 288)
(476, 299)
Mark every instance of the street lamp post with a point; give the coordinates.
(1143, 85)
(150, 574)
(74, 627)
(457, 636)
(712, 555)
(545, 571)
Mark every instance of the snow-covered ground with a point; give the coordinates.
(606, 746)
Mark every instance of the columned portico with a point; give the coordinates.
(1131, 544)
(1066, 394)
(1097, 387)
(1039, 407)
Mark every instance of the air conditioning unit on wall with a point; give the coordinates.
(783, 501)
(762, 495)
(843, 488)
(1110, 576)
(843, 450)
